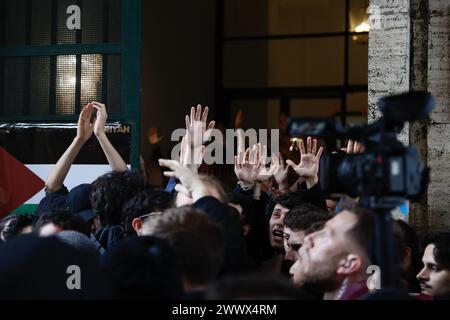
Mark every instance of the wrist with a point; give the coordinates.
(311, 182)
(257, 191)
(245, 185)
(100, 135)
(283, 186)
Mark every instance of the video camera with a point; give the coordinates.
(387, 168)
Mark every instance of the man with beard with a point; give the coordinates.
(334, 260)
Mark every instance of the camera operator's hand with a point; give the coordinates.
(353, 147)
(308, 168)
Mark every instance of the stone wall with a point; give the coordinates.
(439, 128)
(411, 50)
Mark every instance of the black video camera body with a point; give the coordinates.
(387, 168)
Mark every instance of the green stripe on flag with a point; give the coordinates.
(24, 209)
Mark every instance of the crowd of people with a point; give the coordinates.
(274, 235)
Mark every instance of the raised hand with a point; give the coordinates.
(308, 168)
(247, 168)
(85, 127)
(281, 172)
(190, 182)
(191, 157)
(196, 125)
(100, 121)
(264, 174)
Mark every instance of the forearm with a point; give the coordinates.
(114, 159)
(56, 178)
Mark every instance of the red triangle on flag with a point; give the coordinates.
(17, 183)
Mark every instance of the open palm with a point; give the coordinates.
(308, 167)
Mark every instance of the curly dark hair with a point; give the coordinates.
(305, 216)
(441, 250)
(111, 190)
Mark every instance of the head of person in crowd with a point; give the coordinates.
(334, 259)
(246, 210)
(298, 223)
(213, 184)
(111, 190)
(142, 268)
(198, 243)
(80, 242)
(408, 254)
(276, 211)
(144, 205)
(46, 268)
(15, 225)
(51, 223)
(255, 287)
(435, 276)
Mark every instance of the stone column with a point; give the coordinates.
(389, 53)
(439, 128)
(411, 50)
(418, 214)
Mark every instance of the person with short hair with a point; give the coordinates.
(197, 241)
(334, 259)
(142, 206)
(435, 276)
(298, 223)
(51, 223)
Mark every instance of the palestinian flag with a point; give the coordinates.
(29, 151)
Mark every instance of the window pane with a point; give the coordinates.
(41, 22)
(15, 22)
(245, 18)
(299, 62)
(39, 85)
(113, 83)
(306, 16)
(357, 105)
(315, 107)
(65, 84)
(64, 35)
(358, 13)
(13, 85)
(92, 21)
(256, 113)
(358, 59)
(268, 17)
(91, 78)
